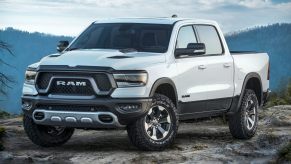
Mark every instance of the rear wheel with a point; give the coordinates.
(243, 124)
(46, 136)
(157, 130)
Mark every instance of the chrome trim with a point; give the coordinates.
(71, 119)
(92, 81)
(112, 81)
(70, 97)
(56, 119)
(86, 120)
(83, 119)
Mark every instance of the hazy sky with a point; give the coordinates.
(70, 17)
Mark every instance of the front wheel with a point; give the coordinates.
(243, 124)
(46, 136)
(157, 130)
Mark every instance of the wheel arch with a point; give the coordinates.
(167, 87)
(252, 81)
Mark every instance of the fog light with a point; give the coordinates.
(26, 105)
(105, 118)
(38, 115)
(129, 107)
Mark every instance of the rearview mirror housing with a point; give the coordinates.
(62, 45)
(191, 50)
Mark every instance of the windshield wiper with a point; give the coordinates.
(127, 50)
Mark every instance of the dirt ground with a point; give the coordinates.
(197, 142)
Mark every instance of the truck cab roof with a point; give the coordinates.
(157, 20)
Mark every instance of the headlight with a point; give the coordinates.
(130, 79)
(30, 77)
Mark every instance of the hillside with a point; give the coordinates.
(275, 40)
(30, 47)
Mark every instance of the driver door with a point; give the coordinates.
(191, 74)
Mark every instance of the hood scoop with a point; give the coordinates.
(54, 55)
(119, 57)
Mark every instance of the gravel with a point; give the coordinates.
(207, 141)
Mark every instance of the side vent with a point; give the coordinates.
(119, 57)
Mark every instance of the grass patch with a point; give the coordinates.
(4, 114)
(285, 153)
(199, 147)
(282, 96)
(2, 132)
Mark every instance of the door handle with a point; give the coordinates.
(201, 67)
(226, 65)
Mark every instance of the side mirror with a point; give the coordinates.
(62, 45)
(191, 50)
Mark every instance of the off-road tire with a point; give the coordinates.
(38, 135)
(237, 121)
(137, 133)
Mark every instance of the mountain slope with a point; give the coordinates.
(275, 40)
(28, 48)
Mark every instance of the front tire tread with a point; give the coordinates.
(138, 137)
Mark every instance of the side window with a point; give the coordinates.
(209, 36)
(186, 35)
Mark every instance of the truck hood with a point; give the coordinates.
(106, 58)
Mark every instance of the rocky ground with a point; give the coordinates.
(202, 142)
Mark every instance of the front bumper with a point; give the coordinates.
(85, 119)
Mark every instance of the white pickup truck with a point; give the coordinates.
(145, 75)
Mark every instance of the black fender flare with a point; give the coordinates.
(236, 101)
(164, 80)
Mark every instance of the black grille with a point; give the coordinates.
(77, 108)
(101, 80)
(43, 80)
(72, 87)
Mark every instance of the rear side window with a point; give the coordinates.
(186, 35)
(209, 36)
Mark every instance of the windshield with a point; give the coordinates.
(133, 36)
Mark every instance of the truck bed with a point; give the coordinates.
(243, 52)
(248, 62)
